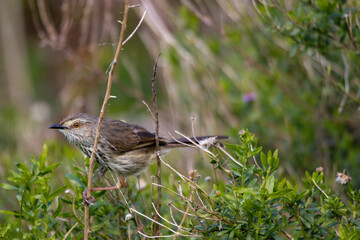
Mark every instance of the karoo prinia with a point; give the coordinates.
(123, 148)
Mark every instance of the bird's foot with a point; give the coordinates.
(89, 200)
(119, 184)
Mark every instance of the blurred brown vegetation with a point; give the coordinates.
(222, 61)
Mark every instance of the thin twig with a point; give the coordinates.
(172, 215)
(131, 34)
(97, 137)
(137, 27)
(228, 166)
(252, 149)
(148, 108)
(179, 227)
(157, 228)
(328, 77)
(179, 174)
(346, 83)
(178, 141)
(184, 216)
(287, 234)
(220, 218)
(178, 194)
(137, 212)
(193, 118)
(319, 188)
(227, 154)
(72, 228)
(195, 144)
(349, 26)
(165, 236)
(152, 200)
(185, 213)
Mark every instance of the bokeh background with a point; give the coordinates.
(286, 70)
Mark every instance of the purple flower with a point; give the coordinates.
(249, 97)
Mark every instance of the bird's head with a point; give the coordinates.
(78, 128)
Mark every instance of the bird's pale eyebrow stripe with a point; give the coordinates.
(70, 122)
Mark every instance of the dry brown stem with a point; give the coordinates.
(106, 99)
(157, 228)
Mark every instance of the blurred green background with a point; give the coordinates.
(286, 70)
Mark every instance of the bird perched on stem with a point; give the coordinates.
(123, 148)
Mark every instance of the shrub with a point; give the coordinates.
(247, 201)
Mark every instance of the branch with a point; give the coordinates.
(349, 26)
(106, 99)
(157, 228)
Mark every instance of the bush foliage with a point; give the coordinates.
(248, 201)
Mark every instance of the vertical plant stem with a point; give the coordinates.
(21, 213)
(106, 99)
(297, 214)
(157, 228)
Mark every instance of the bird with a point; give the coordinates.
(123, 148)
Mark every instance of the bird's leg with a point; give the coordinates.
(102, 171)
(90, 200)
(120, 184)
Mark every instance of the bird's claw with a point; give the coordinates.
(89, 200)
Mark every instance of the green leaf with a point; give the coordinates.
(49, 169)
(203, 214)
(269, 156)
(279, 194)
(288, 185)
(8, 186)
(213, 162)
(5, 229)
(329, 69)
(223, 232)
(23, 168)
(269, 184)
(263, 161)
(75, 178)
(354, 235)
(305, 222)
(58, 209)
(242, 190)
(7, 212)
(56, 193)
(323, 4)
(42, 157)
(231, 236)
(255, 151)
(282, 183)
(342, 232)
(276, 154)
(308, 177)
(300, 196)
(16, 180)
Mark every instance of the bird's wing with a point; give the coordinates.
(124, 137)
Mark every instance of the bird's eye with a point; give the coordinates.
(76, 124)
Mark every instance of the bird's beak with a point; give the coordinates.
(58, 126)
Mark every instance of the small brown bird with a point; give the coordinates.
(123, 148)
